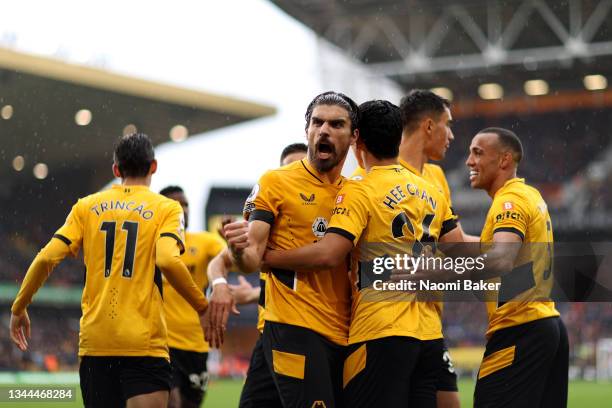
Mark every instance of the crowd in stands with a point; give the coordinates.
(54, 342)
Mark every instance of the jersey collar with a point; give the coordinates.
(134, 187)
(387, 167)
(314, 173)
(509, 182)
(410, 167)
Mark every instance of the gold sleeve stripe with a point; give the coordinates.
(448, 226)
(262, 215)
(289, 364)
(354, 364)
(510, 229)
(171, 235)
(496, 361)
(63, 239)
(342, 232)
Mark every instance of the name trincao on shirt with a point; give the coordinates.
(397, 194)
(122, 205)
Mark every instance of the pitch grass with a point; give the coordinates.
(225, 394)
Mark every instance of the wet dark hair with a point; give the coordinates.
(293, 148)
(335, 98)
(166, 191)
(509, 140)
(134, 155)
(417, 104)
(380, 128)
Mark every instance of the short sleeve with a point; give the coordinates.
(510, 214)
(449, 220)
(173, 224)
(350, 214)
(263, 202)
(71, 233)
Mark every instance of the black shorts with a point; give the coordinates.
(447, 380)
(111, 381)
(525, 366)
(392, 372)
(259, 390)
(305, 366)
(189, 374)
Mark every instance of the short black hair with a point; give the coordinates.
(134, 155)
(380, 128)
(335, 98)
(293, 148)
(509, 140)
(418, 103)
(168, 190)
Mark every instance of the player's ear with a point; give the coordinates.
(153, 167)
(428, 125)
(506, 159)
(355, 136)
(116, 171)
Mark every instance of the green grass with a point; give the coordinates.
(225, 394)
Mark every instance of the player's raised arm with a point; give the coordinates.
(247, 243)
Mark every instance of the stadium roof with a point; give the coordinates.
(64, 115)
(461, 44)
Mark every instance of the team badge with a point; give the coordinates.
(358, 178)
(319, 226)
(340, 199)
(508, 205)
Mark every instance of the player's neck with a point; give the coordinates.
(332, 175)
(371, 161)
(136, 181)
(411, 151)
(499, 183)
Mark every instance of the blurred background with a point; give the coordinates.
(221, 88)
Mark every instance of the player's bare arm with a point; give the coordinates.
(329, 252)
(244, 293)
(221, 300)
(247, 243)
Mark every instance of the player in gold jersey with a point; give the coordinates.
(129, 236)
(526, 358)
(427, 121)
(387, 212)
(259, 389)
(307, 314)
(188, 349)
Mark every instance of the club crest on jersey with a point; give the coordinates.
(340, 199)
(357, 178)
(319, 226)
(508, 205)
(307, 200)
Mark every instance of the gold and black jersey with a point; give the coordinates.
(297, 204)
(432, 311)
(122, 298)
(184, 329)
(389, 211)
(524, 294)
